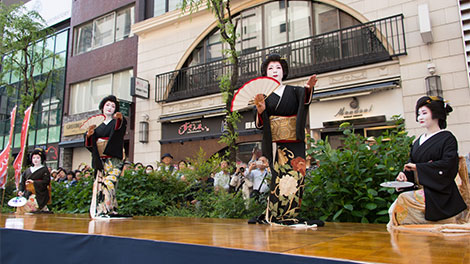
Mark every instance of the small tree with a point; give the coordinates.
(22, 33)
(223, 14)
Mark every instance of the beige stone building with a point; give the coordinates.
(372, 59)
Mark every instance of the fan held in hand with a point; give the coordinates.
(244, 96)
(94, 120)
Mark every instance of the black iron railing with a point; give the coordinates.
(367, 43)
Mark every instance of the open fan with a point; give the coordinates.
(94, 120)
(244, 96)
(17, 202)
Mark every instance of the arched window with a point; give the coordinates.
(271, 24)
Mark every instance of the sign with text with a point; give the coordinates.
(140, 87)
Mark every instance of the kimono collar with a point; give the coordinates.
(33, 169)
(425, 137)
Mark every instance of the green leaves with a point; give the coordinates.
(345, 187)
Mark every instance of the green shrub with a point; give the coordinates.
(345, 187)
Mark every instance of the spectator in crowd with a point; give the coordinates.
(148, 169)
(205, 184)
(54, 175)
(70, 179)
(222, 178)
(61, 175)
(78, 175)
(166, 165)
(259, 174)
(125, 167)
(182, 166)
(138, 166)
(240, 182)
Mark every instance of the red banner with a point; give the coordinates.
(5, 155)
(18, 163)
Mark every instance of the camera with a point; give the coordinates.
(242, 169)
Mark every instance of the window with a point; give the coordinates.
(275, 23)
(104, 30)
(48, 110)
(87, 95)
(160, 7)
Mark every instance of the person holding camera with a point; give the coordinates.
(259, 174)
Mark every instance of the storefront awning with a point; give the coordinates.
(205, 137)
(192, 115)
(355, 91)
(72, 143)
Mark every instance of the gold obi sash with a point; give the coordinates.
(101, 146)
(283, 128)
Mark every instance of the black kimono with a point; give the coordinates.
(108, 166)
(289, 166)
(437, 164)
(41, 179)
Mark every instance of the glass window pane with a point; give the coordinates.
(61, 42)
(49, 46)
(275, 23)
(84, 36)
(300, 22)
(41, 136)
(174, 4)
(347, 20)
(54, 134)
(103, 32)
(79, 98)
(251, 30)
(60, 60)
(159, 7)
(17, 139)
(1, 141)
(214, 47)
(47, 65)
(326, 18)
(124, 20)
(31, 137)
(122, 85)
(100, 87)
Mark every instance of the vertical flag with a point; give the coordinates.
(5, 155)
(24, 135)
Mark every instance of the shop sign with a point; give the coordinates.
(192, 127)
(342, 112)
(125, 108)
(73, 128)
(140, 87)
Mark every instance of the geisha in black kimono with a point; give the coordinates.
(282, 116)
(106, 143)
(432, 167)
(38, 176)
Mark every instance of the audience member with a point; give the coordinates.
(222, 178)
(259, 174)
(70, 179)
(182, 165)
(148, 169)
(166, 165)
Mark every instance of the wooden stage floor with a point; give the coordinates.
(346, 241)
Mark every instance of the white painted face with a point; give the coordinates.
(425, 117)
(275, 71)
(36, 160)
(109, 108)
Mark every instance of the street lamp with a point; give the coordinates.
(433, 82)
(144, 129)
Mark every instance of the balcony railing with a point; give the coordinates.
(363, 44)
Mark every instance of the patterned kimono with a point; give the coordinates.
(288, 167)
(437, 199)
(41, 178)
(108, 166)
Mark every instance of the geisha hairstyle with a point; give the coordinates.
(40, 152)
(439, 109)
(110, 98)
(275, 57)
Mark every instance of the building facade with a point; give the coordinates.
(372, 59)
(102, 59)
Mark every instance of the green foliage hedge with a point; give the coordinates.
(345, 187)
